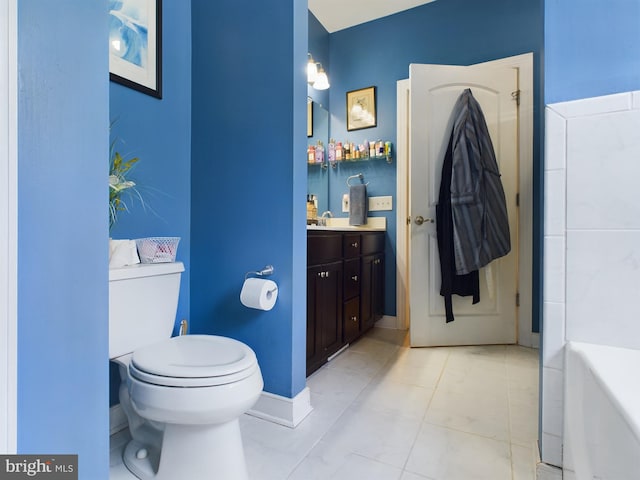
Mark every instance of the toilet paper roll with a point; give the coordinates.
(259, 293)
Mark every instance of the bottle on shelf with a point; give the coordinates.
(331, 151)
(311, 154)
(339, 152)
(319, 152)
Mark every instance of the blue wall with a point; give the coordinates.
(159, 133)
(453, 32)
(317, 177)
(319, 50)
(248, 182)
(63, 128)
(591, 48)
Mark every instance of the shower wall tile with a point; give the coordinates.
(603, 165)
(603, 287)
(555, 206)
(553, 339)
(592, 239)
(554, 266)
(555, 140)
(553, 399)
(594, 106)
(552, 449)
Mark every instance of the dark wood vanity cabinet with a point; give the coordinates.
(345, 290)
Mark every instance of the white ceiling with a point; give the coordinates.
(337, 15)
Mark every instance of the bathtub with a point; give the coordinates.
(601, 413)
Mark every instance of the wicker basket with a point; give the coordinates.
(157, 249)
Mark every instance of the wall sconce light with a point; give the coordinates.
(312, 70)
(316, 76)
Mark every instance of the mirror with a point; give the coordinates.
(317, 183)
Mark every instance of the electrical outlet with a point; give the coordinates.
(345, 202)
(377, 204)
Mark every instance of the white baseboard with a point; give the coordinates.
(387, 321)
(117, 419)
(282, 410)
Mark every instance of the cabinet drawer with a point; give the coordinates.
(351, 245)
(351, 326)
(372, 243)
(351, 278)
(323, 248)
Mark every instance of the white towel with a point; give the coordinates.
(122, 253)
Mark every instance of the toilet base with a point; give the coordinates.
(196, 452)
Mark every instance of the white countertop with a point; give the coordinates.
(341, 224)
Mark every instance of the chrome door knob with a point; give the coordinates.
(420, 220)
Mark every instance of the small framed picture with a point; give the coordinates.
(135, 45)
(361, 108)
(309, 118)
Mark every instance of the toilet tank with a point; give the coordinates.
(143, 300)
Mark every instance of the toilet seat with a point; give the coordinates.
(193, 361)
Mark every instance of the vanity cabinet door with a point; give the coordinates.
(351, 278)
(351, 319)
(324, 313)
(372, 294)
(351, 245)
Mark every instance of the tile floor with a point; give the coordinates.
(384, 411)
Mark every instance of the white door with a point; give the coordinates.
(8, 226)
(434, 90)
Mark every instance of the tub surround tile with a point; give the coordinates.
(591, 152)
(553, 404)
(593, 106)
(554, 335)
(555, 205)
(554, 267)
(603, 287)
(555, 151)
(603, 171)
(552, 449)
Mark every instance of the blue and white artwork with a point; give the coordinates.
(129, 30)
(135, 44)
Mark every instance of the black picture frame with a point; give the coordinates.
(361, 108)
(135, 67)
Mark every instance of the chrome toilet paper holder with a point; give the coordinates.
(268, 270)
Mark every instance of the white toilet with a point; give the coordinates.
(183, 395)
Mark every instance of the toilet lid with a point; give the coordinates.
(193, 361)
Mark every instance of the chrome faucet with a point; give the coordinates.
(322, 221)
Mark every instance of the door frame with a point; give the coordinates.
(524, 65)
(8, 226)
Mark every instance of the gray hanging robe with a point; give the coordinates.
(478, 206)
